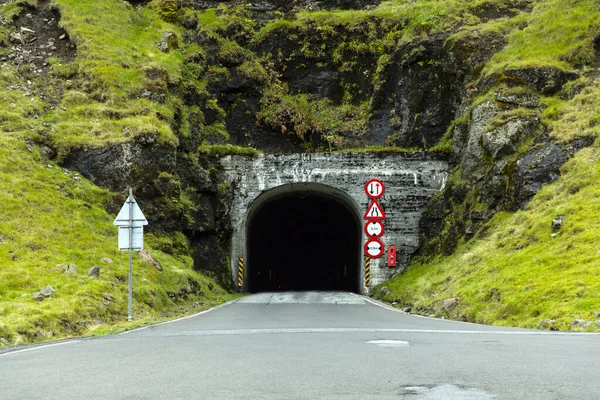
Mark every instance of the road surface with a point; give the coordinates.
(309, 345)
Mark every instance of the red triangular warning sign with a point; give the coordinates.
(374, 211)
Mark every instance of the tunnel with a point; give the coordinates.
(303, 237)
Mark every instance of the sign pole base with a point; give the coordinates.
(130, 297)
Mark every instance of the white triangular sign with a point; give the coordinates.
(138, 218)
(374, 211)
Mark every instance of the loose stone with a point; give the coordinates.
(450, 303)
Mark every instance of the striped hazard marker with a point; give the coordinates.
(367, 271)
(240, 272)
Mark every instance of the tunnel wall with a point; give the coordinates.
(410, 180)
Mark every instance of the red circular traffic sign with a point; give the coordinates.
(374, 229)
(374, 248)
(374, 188)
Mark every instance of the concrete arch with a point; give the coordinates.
(301, 193)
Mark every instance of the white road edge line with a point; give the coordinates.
(369, 330)
(38, 347)
(390, 308)
(378, 303)
(179, 319)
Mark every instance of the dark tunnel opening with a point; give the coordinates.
(303, 241)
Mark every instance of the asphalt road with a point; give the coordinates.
(309, 345)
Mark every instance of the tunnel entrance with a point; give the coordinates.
(303, 237)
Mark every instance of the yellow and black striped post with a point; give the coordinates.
(367, 271)
(240, 271)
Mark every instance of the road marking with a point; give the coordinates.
(179, 319)
(390, 308)
(378, 304)
(38, 347)
(230, 332)
(389, 343)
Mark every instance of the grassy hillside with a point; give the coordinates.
(517, 270)
(51, 217)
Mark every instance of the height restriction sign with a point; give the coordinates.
(374, 188)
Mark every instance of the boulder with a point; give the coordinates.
(68, 268)
(106, 260)
(506, 139)
(94, 271)
(107, 298)
(450, 303)
(145, 255)
(557, 222)
(579, 323)
(168, 42)
(47, 291)
(44, 292)
(547, 324)
(384, 291)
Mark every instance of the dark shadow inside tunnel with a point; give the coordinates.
(303, 240)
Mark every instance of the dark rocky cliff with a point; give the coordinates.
(257, 75)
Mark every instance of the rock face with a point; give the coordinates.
(175, 191)
(536, 168)
(415, 95)
(495, 167)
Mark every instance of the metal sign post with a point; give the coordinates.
(130, 292)
(130, 221)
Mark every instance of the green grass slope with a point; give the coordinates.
(51, 217)
(517, 270)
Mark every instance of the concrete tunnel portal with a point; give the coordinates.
(297, 219)
(303, 237)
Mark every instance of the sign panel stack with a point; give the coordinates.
(374, 215)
